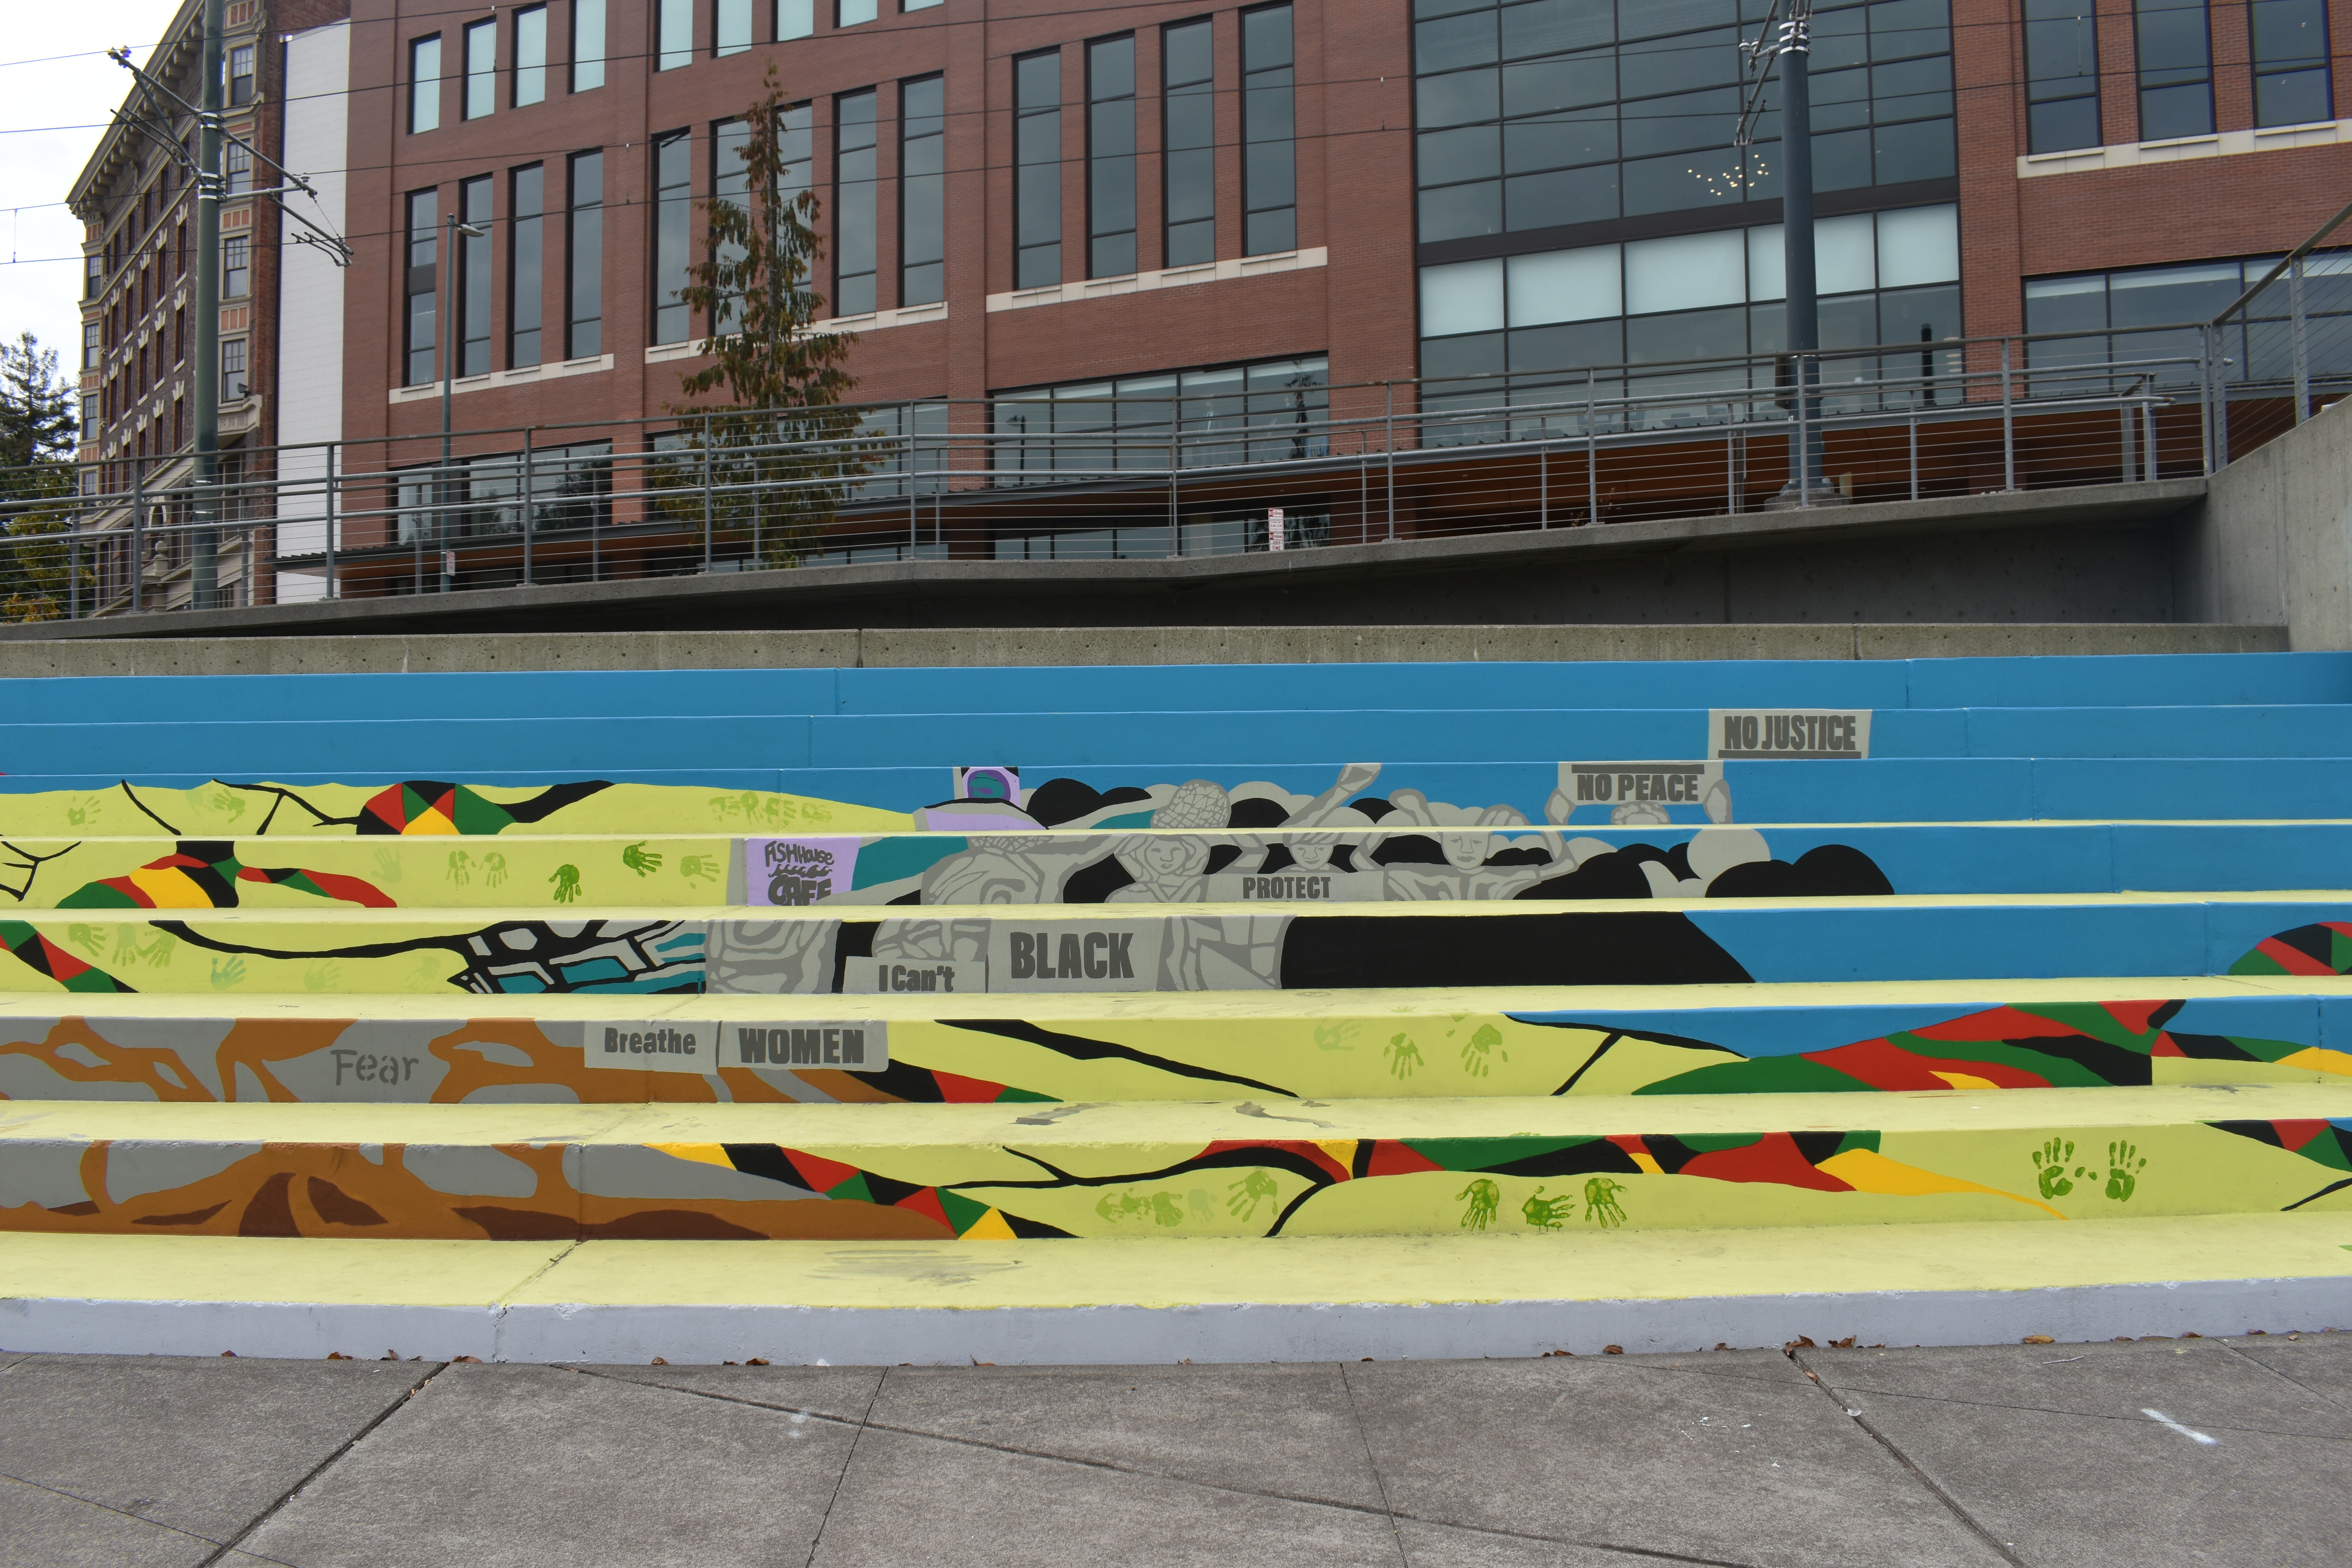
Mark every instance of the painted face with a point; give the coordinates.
(1171, 859)
(1463, 851)
(1310, 857)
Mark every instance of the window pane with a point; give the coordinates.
(1563, 196)
(731, 33)
(1918, 245)
(1685, 272)
(2292, 98)
(481, 68)
(531, 56)
(425, 84)
(587, 45)
(1566, 286)
(1463, 297)
(796, 18)
(675, 46)
(1455, 211)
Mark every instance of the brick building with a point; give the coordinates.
(1239, 216)
(136, 197)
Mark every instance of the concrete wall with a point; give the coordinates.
(2272, 542)
(1095, 645)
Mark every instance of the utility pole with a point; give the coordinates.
(1789, 44)
(204, 576)
(444, 491)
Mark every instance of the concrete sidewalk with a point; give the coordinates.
(2159, 1452)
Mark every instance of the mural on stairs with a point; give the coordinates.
(1345, 1052)
(1007, 1181)
(1063, 841)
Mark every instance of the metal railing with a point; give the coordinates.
(1155, 478)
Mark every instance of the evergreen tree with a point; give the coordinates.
(781, 450)
(37, 481)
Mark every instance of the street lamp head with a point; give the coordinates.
(468, 229)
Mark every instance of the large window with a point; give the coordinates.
(1188, 110)
(585, 243)
(731, 27)
(587, 45)
(1268, 411)
(850, 12)
(1110, 157)
(796, 148)
(1546, 319)
(240, 76)
(418, 329)
(236, 266)
(2062, 68)
(1548, 112)
(531, 56)
(474, 278)
(2291, 76)
(855, 135)
(2175, 69)
(425, 84)
(1037, 172)
(2144, 318)
(481, 68)
(729, 183)
(923, 192)
(526, 262)
(1269, 122)
(796, 18)
(675, 46)
(232, 370)
(673, 233)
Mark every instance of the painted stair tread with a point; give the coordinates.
(615, 792)
(1171, 947)
(1172, 1172)
(1301, 1298)
(929, 1047)
(1279, 865)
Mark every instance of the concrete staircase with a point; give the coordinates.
(1159, 1013)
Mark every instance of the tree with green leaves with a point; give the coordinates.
(36, 483)
(782, 451)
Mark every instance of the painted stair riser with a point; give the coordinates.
(2061, 681)
(703, 1053)
(1201, 794)
(1277, 865)
(329, 742)
(807, 1174)
(1206, 949)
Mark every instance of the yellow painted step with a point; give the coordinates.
(1108, 1301)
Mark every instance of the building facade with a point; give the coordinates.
(1050, 224)
(136, 198)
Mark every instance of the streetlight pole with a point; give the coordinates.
(204, 571)
(442, 487)
(1790, 45)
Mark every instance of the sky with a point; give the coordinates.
(40, 241)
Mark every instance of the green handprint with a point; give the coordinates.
(1339, 1037)
(126, 944)
(699, 867)
(640, 860)
(1404, 1057)
(1165, 1211)
(387, 865)
(1243, 1198)
(460, 867)
(227, 973)
(567, 884)
(1486, 1201)
(83, 811)
(1479, 1049)
(494, 869)
(2050, 1164)
(158, 951)
(85, 938)
(1601, 1202)
(2125, 1162)
(231, 806)
(1547, 1214)
(321, 976)
(1117, 1206)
